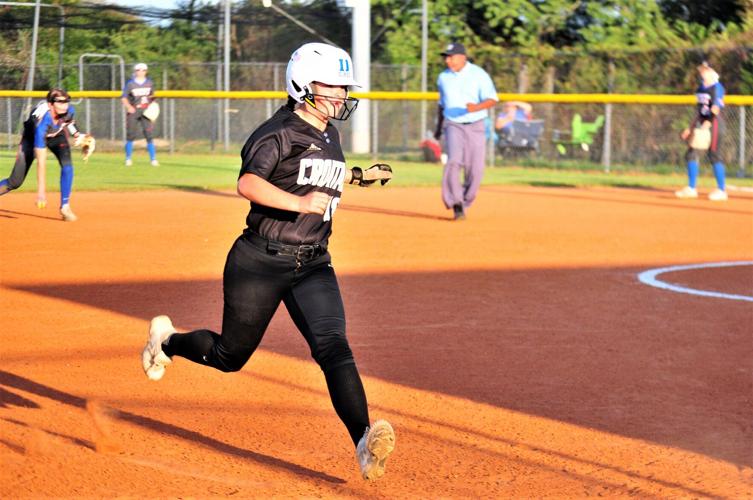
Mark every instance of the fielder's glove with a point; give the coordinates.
(377, 172)
(88, 145)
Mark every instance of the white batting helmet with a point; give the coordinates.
(317, 62)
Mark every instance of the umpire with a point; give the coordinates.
(465, 93)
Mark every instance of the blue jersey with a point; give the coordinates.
(45, 126)
(713, 95)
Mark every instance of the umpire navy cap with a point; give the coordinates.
(453, 49)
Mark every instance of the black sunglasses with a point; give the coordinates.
(62, 100)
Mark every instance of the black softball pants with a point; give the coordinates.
(137, 123)
(255, 281)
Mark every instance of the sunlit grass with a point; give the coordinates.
(106, 171)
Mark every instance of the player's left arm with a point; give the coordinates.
(364, 178)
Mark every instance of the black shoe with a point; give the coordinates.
(458, 212)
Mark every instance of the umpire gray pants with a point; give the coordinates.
(465, 145)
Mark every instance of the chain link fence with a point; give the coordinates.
(640, 135)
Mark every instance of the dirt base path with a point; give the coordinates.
(516, 353)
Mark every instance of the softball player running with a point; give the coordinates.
(293, 171)
(49, 125)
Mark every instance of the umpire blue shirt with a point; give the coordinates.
(469, 85)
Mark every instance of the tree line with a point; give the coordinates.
(528, 45)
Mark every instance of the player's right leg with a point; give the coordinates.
(253, 284)
(689, 191)
(132, 129)
(452, 190)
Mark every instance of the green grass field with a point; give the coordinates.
(106, 172)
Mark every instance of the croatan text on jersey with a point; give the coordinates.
(298, 158)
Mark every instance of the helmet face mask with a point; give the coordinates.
(331, 101)
(321, 65)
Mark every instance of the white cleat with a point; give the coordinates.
(152, 358)
(155, 163)
(128, 162)
(687, 192)
(373, 449)
(718, 195)
(67, 214)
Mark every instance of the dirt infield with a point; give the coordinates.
(516, 353)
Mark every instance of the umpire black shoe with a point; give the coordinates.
(458, 212)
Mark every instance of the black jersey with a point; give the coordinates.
(713, 95)
(139, 95)
(298, 158)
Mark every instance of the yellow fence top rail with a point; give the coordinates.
(733, 100)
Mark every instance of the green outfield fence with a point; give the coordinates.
(638, 131)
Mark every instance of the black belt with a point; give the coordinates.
(300, 252)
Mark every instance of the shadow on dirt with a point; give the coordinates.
(10, 380)
(592, 347)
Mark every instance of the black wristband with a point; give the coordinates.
(356, 176)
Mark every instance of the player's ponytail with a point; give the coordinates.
(291, 104)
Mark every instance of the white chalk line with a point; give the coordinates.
(649, 278)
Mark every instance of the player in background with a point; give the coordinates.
(710, 97)
(49, 125)
(293, 171)
(138, 93)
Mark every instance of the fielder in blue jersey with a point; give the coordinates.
(708, 120)
(138, 94)
(49, 125)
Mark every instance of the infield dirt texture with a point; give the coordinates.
(515, 353)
